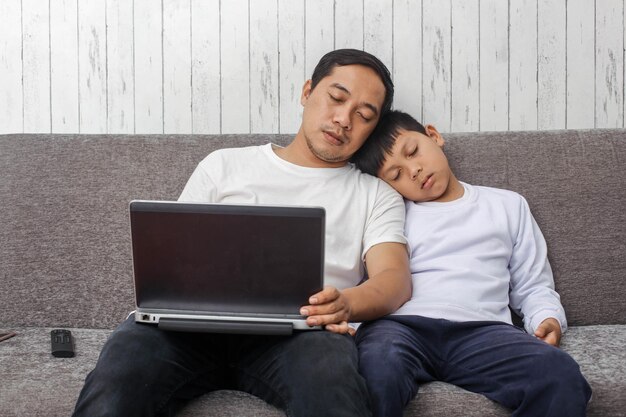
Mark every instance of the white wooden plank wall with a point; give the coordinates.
(148, 64)
(92, 66)
(609, 63)
(177, 66)
(407, 56)
(523, 65)
(36, 65)
(551, 64)
(436, 75)
(464, 91)
(291, 26)
(120, 67)
(238, 66)
(264, 68)
(64, 104)
(580, 62)
(11, 87)
(494, 66)
(206, 66)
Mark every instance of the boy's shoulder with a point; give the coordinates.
(501, 195)
(497, 192)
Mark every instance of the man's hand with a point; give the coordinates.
(329, 308)
(549, 331)
(388, 287)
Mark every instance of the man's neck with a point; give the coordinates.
(298, 153)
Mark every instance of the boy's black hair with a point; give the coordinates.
(341, 57)
(371, 156)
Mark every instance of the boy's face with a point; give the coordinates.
(417, 167)
(340, 113)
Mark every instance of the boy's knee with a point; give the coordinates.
(559, 364)
(387, 365)
(561, 373)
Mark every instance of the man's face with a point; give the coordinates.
(417, 167)
(340, 113)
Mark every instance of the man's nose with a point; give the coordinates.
(342, 118)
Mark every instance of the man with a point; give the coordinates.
(146, 371)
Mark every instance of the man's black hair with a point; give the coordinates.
(371, 156)
(341, 57)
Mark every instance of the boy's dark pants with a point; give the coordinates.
(502, 362)
(144, 371)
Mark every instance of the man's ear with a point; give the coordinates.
(434, 134)
(306, 92)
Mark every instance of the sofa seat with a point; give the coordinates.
(36, 375)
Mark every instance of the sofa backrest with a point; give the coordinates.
(64, 234)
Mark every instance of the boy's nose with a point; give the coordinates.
(415, 171)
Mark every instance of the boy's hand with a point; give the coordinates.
(329, 308)
(549, 331)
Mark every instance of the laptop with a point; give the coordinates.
(222, 268)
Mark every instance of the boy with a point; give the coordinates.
(475, 251)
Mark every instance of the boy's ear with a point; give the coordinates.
(306, 92)
(434, 134)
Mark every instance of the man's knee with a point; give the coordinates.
(322, 372)
(322, 353)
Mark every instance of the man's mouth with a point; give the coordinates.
(334, 137)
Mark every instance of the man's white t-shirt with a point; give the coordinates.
(361, 210)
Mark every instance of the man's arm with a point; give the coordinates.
(388, 287)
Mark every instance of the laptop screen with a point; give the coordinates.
(226, 258)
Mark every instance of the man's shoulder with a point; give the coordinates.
(238, 151)
(366, 179)
(227, 155)
(375, 185)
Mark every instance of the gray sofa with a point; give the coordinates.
(65, 254)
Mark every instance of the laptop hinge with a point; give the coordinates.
(225, 326)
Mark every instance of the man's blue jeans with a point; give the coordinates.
(495, 359)
(144, 371)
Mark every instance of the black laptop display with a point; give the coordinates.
(225, 268)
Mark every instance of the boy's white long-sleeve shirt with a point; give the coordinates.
(473, 257)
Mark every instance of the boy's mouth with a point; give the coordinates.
(428, 182)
